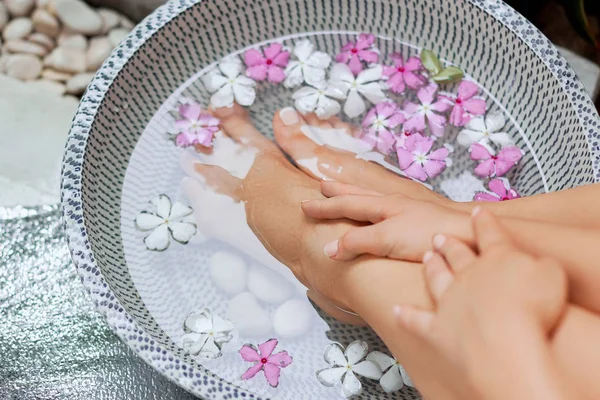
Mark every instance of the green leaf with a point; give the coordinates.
(450, 74)
(431, 62)
(575, 10)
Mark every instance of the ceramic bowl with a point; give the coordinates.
(111, 161)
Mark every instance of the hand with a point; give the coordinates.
(495, 313)
(400, 227)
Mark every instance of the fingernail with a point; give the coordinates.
(289, 116)
(397, 310)
(331, 249)
(427, 256)
(475, 211)
(438, 241)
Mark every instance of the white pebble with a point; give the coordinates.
(56, 75)
(110, 19)
(18, 28)
(78, 83)
(49, 86)
(66, 60)
(3, 16)
(45, 23)
(73, 41)
(43, 40)
(248, 316)
(25, 47)
(116, 36)
(23, 66)
(19, 8)
(126, 23)
(78, 16)
(3, 62)
(99, 50)
(268, 285)
(293, 318)
(228, 271)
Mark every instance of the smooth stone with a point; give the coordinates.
(99, 50)
(23, 66)
(66, 60)
(268, 285)
(56, 75)
(73, 41)
(25, 47)
(19, 8)
(78, 83)
(78, 16)
(111, 19)
(116, 36)
(293, 318)
(228, 271)
(126, 23)
(49, 86)
(45, 23)
(3, 15)
(18, 28)
(249, 317)
(3, 62)
(42, 3)
(43, 40)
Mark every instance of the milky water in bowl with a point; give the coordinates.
(225, 269)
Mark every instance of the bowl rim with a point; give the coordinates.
(120, 321)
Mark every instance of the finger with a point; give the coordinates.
(372, 209)
(415, 321)
(334, 311)
(333, 188)
(458, 255)
(379, 240)
(438, 275)
(489, 233)
(220, 180)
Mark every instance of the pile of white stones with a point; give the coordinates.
(57, 45)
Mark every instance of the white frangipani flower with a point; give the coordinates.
(394, 377)
(228, 83)
(345, 366)
(485, 132)
(169, 220)
(367, 84)
(206, 333)
(320, 101)
(309, 67)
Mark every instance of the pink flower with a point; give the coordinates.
(353, 52)
(404, 74)
(502, 192)
(416, 160)
(465, 104)
(195, 127)
(269, 66)
(402, 136)
(418, 115)
(494, 165)
(265, 361)
(378, 125)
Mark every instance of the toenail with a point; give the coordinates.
(438, 241)
(289, 116)
(331, 249)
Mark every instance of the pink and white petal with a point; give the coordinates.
(479, 152)
(272, 50)
(315, 76)
(222, 325)
(334, 355)
(373, 92)
(414, 81)
(368, 369)
(272, 373)
(194, 342)
(275, 74)
(341, 73)
(146, 221)
(364, 40)
(184, 140)
(475, 106)
(467, 89)
(208, 120)
(182, 232)
(183, 125)
(510, 154)
(405, 377)
(388, 71)
(368, 56)
(437, 124)
(421, 143)
(415, 123)
(257, 72)
(249, 353)
(440, 154)
(405, 158)
(244, 95)
(355, 64)
(343, 56)
(392, 381)
(467, 137)
(331, 376)
(327, 108)
(413, 64)
(495, 121)
(512, 194)
(370, 75)
(252, 371)
(223, 97)
(370, 117)
(502, 139)
(335, 92)
(253, 57)
(190, 111)
(383, 360)
(503, 166)
(477, 124)
(416, 171)
(303, 49)
(244, 81)
(354, 105)
(210, 349)
(231, 67)
(427, 93)
(282, 59)
(386, 109)
(200, 322)
(179, 210)
(369, 138)
(486, 197)
(213, 81)
(396, 119)
(457, 116)
(159, 239)
(351, 386)
(385, 141)
(486, 169)
(442, 105)
(434, 167)
(319, 60)
(497, 186)
(396, 83)
(397, 59)
(281, 359)
(308, 103)
(266, 349)
(163, 205)
(411, 108)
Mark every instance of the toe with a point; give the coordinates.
(287, 127)
(312, 120)
(236, 123)
(220, 180)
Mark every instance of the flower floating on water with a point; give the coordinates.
(494, 165)
(378, 125)
(345, 365)
(320, 101)
(418, 161)
(501, 192)
(228, 84)
(268, 66)
(194, 126)
(309, 67)
(437, 72)
(465, 105)
(353, 53)
(402, 74)
(265, 361)
(206, 333)
(367, 84)
(418, 115)
(394, 375)
(485, 132)
(168, 220)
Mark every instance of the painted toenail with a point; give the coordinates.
(331, 249)
(289, 116)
